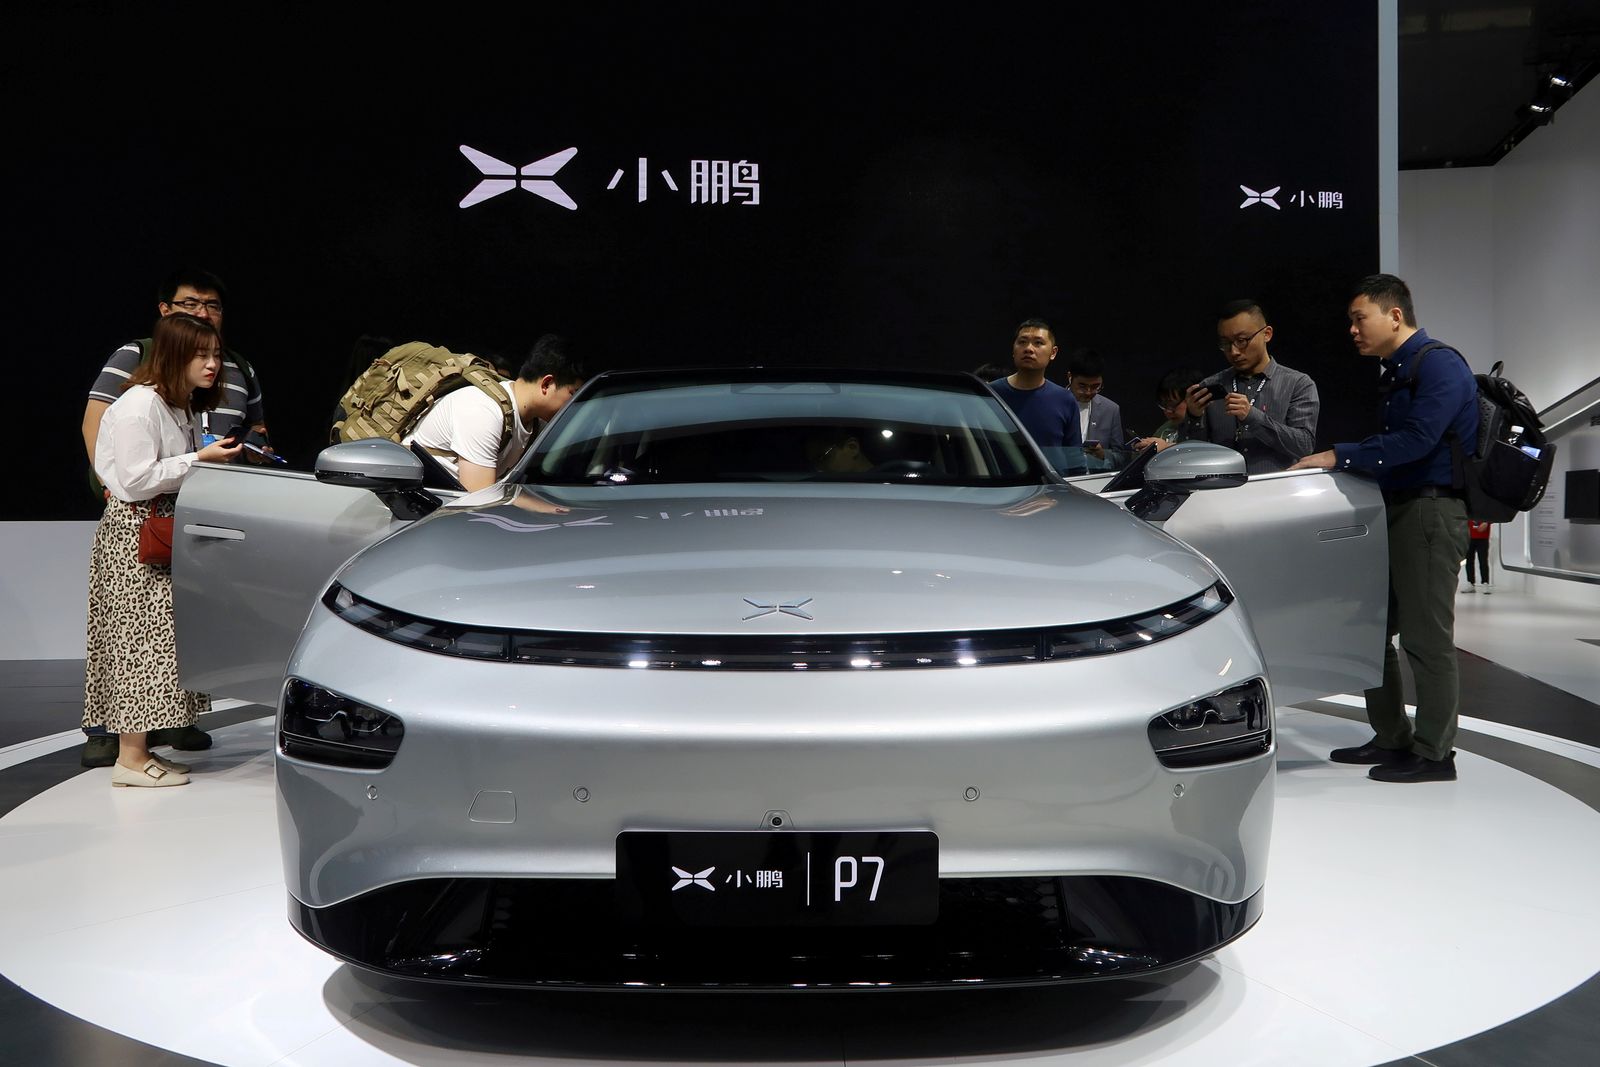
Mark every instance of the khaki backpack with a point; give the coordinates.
(402, 385)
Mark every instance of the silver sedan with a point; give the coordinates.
(775, 679)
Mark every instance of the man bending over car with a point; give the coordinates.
(465, 430)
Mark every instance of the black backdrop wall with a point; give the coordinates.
(924, 180)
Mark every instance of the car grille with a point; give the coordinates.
(779, 652)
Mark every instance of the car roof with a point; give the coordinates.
(762, 373)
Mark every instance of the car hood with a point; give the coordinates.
(786, 559)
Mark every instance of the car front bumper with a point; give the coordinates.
(1038, 778)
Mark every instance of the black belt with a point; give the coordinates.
(1400, 496)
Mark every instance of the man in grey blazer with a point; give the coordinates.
(1260, 407)
(1099, 417)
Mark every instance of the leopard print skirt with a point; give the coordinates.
(131, 673)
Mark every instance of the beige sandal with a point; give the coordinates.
(151, 775)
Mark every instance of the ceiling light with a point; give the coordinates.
(1539, 111)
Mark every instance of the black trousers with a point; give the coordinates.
(1478, 548)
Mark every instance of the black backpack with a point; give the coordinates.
(1510, 467)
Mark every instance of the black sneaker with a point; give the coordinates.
(1417, 768)
(1371, 752)
(100, 750)
(182, 738)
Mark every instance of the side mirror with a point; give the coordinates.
(378, 464)
(1180, 470)
(1192, 465)
(388, 469)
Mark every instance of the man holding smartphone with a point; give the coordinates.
(1258, 406)
(1099, 417)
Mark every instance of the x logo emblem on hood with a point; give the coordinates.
(796, 609)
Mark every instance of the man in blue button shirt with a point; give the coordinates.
(1428, 405)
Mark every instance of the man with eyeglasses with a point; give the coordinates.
(1258, 406)
(190, 292)
(201, 294)
(1172, 399)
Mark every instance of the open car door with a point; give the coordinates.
(252, 548)
(1307, 553)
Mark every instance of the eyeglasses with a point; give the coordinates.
(1168, 409)
(191, 305)
(1227, 344)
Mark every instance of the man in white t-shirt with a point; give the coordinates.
(465, 430)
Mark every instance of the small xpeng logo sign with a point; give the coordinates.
(502, 177)
(1253, 197)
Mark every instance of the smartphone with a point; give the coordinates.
(263, 453)
(1091, 443)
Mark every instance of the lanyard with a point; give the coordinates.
(1252, 389)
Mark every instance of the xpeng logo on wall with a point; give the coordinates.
(1253, 197)
(537, 177)
(1324, 199)
(710, 181)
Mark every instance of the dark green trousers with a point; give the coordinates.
(1427, 542)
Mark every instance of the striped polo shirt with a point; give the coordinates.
(241, 391)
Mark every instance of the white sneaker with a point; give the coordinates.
(1487, 588)
(1469, 588)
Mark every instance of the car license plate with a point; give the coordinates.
(778, 878)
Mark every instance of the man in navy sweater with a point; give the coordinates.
(1049, 412)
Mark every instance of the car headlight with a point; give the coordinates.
(1141, 630)
(320, 726)
(1235, 724)
(425, 634)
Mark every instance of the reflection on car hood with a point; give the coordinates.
(777, 559)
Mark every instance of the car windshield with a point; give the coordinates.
(719, 426)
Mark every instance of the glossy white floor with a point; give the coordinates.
(1476, 877)
(1534, 635)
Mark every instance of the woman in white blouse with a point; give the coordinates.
(146, 446)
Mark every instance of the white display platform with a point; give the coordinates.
(1398, 919)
